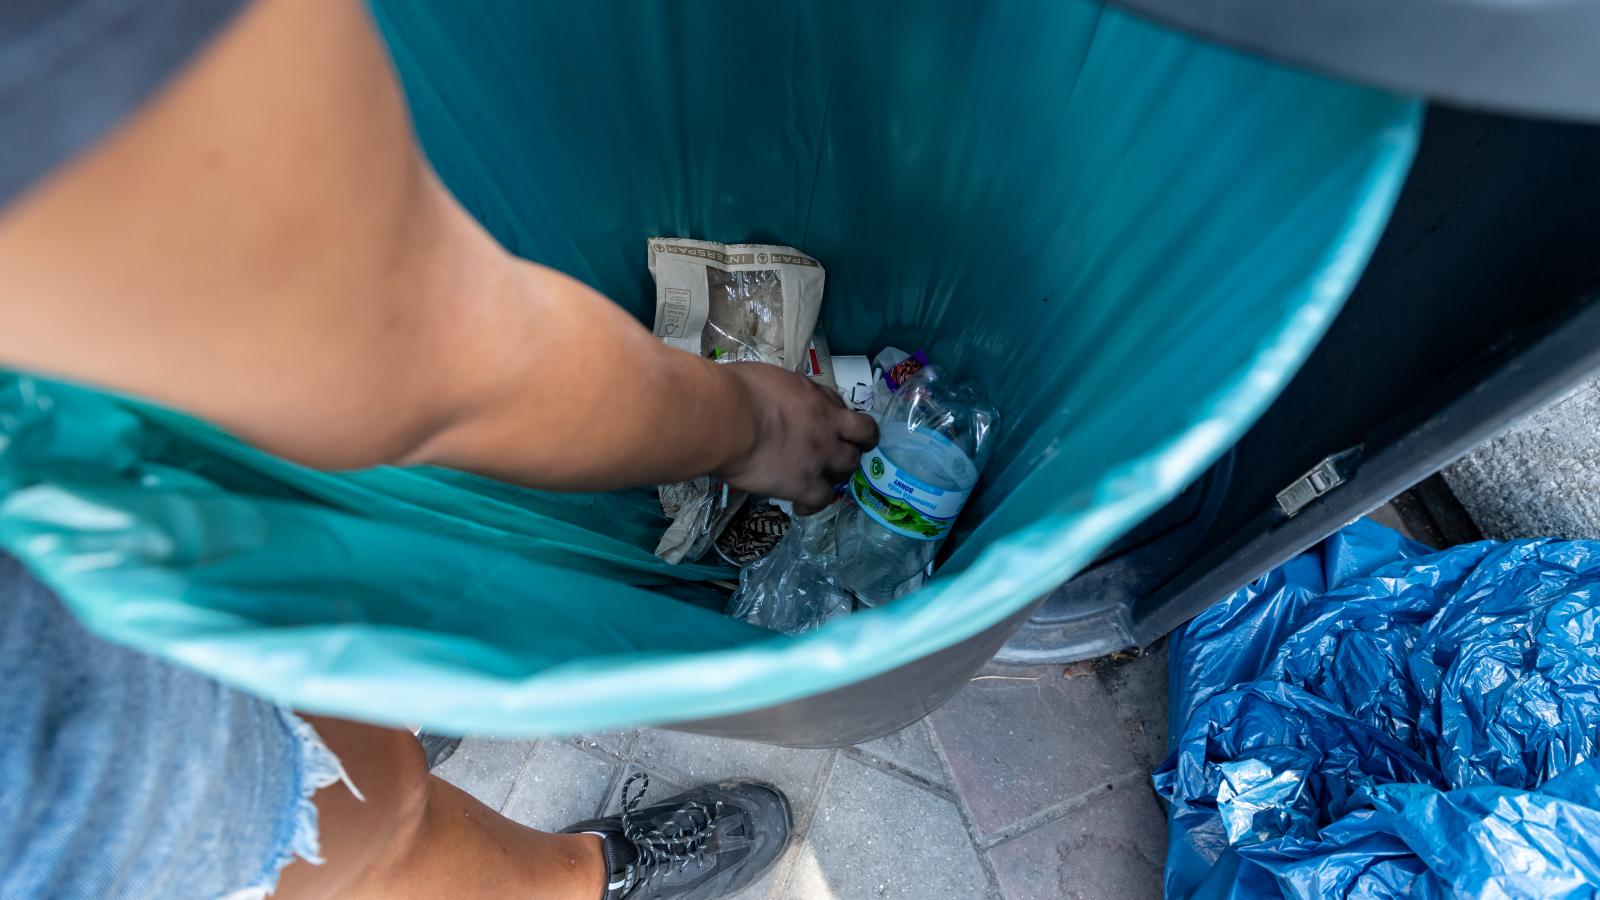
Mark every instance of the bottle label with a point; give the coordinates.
(903, 503)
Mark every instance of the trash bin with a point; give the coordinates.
(1130, 237)
(1480, 305)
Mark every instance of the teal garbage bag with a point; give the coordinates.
(1130, 237)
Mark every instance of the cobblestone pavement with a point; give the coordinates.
(1031, 784)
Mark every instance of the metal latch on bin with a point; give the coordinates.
(1324, 477)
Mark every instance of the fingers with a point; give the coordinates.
(858, 429)
(841, 462)
(817, 496)
(818, 446)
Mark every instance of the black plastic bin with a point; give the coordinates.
(1480, 304)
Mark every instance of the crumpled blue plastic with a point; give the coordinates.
(1374, 719)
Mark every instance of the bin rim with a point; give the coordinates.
(579, 697)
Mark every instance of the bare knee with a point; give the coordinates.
(363, 836)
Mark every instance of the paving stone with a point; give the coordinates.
(1018, 747)
(1540, 476)
(615, 743)
(660, 788)
(699, 759)
(1138, 687)
(1114, 846)
(911, 749)
(560, 785)
(767, 885)
(879, 836)
(486, 768)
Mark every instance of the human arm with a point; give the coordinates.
(264, 246)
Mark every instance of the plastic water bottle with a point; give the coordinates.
(933, 440)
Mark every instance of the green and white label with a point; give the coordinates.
(903, 503)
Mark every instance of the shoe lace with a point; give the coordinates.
(683, 837)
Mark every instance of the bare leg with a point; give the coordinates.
(416, 836)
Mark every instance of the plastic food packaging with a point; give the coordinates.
(933, 439)
(895, 367)
(736, 302)
(1375, 719)
(867, 385)
(698, 510)
(731, 303)
(795, 588)
(752, 533)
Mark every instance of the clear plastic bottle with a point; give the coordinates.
(934, 437)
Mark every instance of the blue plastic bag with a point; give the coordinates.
(1373, 719)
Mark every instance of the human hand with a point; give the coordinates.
(806, 440)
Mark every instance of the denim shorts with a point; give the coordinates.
(122, 776)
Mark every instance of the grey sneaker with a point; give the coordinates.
(438, 748)
(703, 844)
